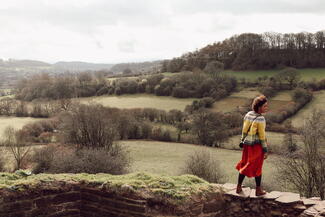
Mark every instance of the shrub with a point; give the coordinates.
(21, 109)
(38, 131)
(305, 169)
(166, 136)
(214, 67)
(2, 165)
(161, 134)
(189, 138)
(181, 92)
(288, 76)
(301, 96)
(207, 102)
(290, 143)
(114, 161)
(146, 130)
(33, 129)
(43, 159)
(209, 127)
(45, 137)
(38, 111)
(202, 164)
(268, 91)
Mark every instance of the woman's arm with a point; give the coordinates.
(246, 125)
(261, 133)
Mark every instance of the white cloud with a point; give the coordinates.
(123, 30)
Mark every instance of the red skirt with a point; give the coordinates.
(252, 161)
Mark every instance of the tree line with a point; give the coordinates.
(146, 123)
(250, 51)
(184, 85)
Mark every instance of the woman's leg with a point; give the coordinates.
(241, 178)
(259, 190)
(258, 180)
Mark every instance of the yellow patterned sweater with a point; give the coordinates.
(256, 134)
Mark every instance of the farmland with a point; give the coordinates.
(140, 101)
(244, 97)
(306, 74)
(168, 158)
(15, 122)
(317, 103)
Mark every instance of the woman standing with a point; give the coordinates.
(254, 145)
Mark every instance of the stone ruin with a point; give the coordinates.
(79, 199)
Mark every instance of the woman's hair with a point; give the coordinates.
(258, 102)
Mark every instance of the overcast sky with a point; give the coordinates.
(112, 31)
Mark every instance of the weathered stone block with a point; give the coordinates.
(122, 205)
(288, 197)
(228, 187)
(65, 213)
(14, 206)
(213, 206)
(66, 197)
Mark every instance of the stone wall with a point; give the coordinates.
(58, 199)
(75, 199)
(273, 204)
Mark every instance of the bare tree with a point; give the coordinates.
(6, 106)
(305, 169)
(89, 126)
(64, 104)
(14, 141)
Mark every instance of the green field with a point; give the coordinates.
(275, 141)
(229, 104)
(244, 97)
(249, 93)
(283, 96)
(168, 158)
(317, 103)
(116, 78)
(140, 101)
(169, 74)
(15, 122)
(8, 96)
(166, 74)
(306, 74)
(235, 100)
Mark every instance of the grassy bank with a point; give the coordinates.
(174, 187)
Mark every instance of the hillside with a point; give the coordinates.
(12, 70)
(250, 51)
(22, 63)
(141, 67)
(80, 66)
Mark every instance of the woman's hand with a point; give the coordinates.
(265, 156)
